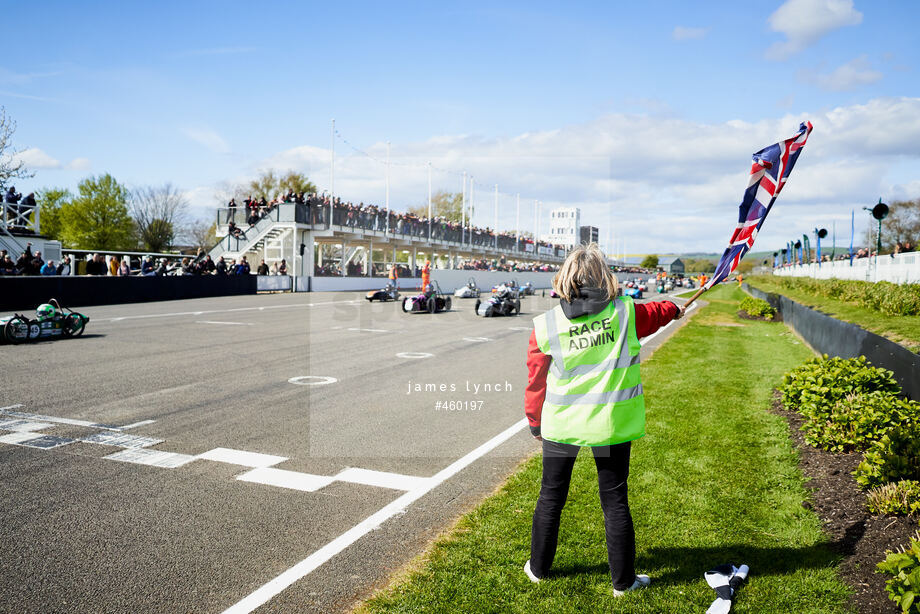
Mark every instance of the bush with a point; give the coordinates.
(899, 498)
(757, 308)
(904, 565)
(885, 297)
(821, 382)
(894, 457)
(857, 420)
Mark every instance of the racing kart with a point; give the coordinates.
(470, 290)
(526, 289)
(431, 300)
(50, 321)
(504, 302)
(387, 293)
(634, 292)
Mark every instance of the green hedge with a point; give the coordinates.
(904, 565)
(884, 297)
(757, 308)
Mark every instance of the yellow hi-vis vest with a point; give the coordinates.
(593, 388)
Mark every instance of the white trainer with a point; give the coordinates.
(641, 582)
(529, 573)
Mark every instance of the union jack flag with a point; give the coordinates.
(769, 172)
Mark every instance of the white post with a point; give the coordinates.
(369, 260)
(470, 218)
(344, 252)
(539, 221)
(463, 210)
(387, 199)
(535, 227)
(332, 176)
(429, 203)
(517, 225)
(495, 223)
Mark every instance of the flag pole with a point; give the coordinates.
(695, 296)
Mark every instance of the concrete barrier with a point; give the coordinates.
(900, 269)
(26, 293)
(831, 336)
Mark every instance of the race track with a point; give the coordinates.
(196, 456)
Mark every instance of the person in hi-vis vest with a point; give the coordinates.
(585, 390)
(426, 275)
(394, 275)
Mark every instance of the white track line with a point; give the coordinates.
(264, 593)
(234, 310)
(242, 457)
(665, 327)
(227, 323)
(69, 421)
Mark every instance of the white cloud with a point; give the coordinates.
(805, 21)
(852, 75)
(80, 164)
(36, 158)
(208, 138)
(662, 184)
(681, 33)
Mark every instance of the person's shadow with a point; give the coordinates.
(682, 564)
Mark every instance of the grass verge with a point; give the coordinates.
(900, 329)
(714, 481)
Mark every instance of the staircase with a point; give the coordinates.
(252, 240)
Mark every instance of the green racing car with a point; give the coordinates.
(50, 321)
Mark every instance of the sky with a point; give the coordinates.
(643, 115)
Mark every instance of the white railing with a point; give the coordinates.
(18, 217)
(900, 269)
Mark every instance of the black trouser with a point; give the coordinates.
(612, 470)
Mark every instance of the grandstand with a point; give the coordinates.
(314, 243)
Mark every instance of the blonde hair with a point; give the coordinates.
(585, 267)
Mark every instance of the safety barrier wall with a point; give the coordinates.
(900, 268)
(273, 283)
(26, 293)
(831, 336)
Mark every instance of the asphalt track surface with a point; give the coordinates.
(219, 377)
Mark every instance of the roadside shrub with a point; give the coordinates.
(899, 498)
(757, 307)
(823, 381)
(894, 457)
(857, 420)
(904, 565)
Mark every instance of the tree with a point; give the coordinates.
(901, 225)
(98, 217)
(50, 202)
(268, 186)
(445, 205)
(201, 233)
(157, 213)
(699, 265)
(11, 166)
(649, 262)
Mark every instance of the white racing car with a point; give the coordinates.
(470, 290)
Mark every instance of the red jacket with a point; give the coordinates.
(649, 318)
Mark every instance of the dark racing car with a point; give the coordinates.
(503, 302)
(387, 293)
(50, 322)
(431, 300)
